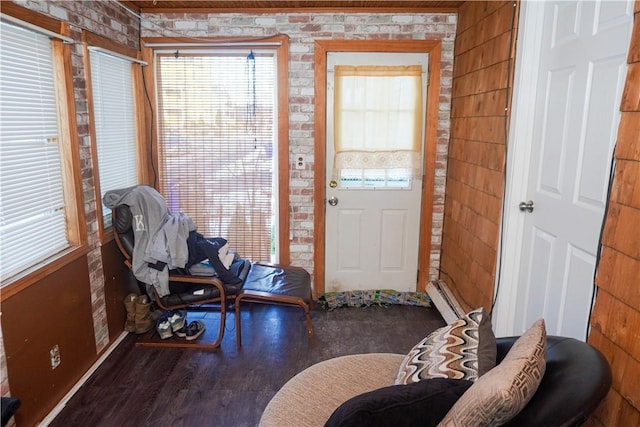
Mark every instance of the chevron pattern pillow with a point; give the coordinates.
(504, 391)
(464, 349)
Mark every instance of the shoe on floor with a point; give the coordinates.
(178, 319)
(192, 331)
(182, 332)
(164, 328)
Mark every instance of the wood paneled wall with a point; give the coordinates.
(615, 323)
(476, 161)
(475, 181)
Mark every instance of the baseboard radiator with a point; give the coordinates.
(444, 301)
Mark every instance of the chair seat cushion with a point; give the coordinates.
(309, 398)
(193, 293)
(280, 280)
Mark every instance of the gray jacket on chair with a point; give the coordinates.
(160, 236)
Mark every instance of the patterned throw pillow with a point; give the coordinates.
(503, 392)
(463, 350)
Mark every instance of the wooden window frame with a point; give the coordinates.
(91, 39)
(69, 150)
(282, 125)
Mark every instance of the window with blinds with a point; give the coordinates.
(32, 208)
(114, 122)
(217, 133)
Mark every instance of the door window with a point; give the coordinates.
(377, 125)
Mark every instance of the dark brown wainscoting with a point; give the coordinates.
(118, 282)
(54, 311)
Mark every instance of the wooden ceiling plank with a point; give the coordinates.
(280, 6)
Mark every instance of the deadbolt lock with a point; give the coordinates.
(333, 183)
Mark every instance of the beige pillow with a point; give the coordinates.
(464, 349)
(504, 391)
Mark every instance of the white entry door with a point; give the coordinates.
(577, 66)
(372, 218)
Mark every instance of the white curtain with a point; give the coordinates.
(378, 118)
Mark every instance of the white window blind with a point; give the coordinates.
(114, 119)
(32, 216)
(217, 134)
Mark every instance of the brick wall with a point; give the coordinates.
(302, 30)
(615, 323)
(476, 161)
(106, 19)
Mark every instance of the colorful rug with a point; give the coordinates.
(380, 297)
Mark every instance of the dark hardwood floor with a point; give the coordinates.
(142, 386)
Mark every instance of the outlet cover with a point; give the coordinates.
(54, 353)
(300, 161)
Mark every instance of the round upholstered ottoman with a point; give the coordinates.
(309, 398)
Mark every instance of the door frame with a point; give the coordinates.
(321, 48)
(525, 87)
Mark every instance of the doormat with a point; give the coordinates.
(379, 297)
